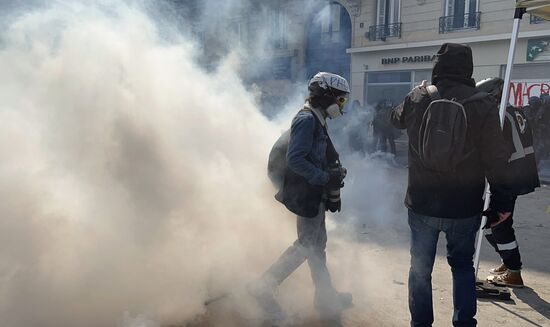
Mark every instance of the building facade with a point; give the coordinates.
(282, 42)
(395, 41)
(384, 47)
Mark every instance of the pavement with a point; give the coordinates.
(384, 299)
(369, 257)
(544, 171)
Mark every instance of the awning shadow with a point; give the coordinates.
(528, 296)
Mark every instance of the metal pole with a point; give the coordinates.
(480, 233)
(510, 65)
(518, 15)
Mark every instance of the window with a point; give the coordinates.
(388, 12)
(536, 20)
(238, 32)
(277, 20)
(422, 75)
(460, 14)
(387, 21)
(393, 86)
(331, 23)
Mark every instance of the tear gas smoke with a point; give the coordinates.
(130, 175)
(131, 178)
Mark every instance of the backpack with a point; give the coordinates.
(442, 139)
(276, 164)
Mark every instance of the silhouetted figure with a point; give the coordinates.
(384, 131)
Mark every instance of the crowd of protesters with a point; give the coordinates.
(538, 114)
(380, 133)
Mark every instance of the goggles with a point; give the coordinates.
(341, 100)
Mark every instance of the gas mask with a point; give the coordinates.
(335, 110)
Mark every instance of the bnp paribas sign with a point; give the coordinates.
(408, 59)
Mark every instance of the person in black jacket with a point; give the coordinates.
(451, 202)
(544, 126)
(522, 171)
(385, 131)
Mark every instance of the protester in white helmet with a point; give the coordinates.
(308, 178)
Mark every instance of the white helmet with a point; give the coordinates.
(328, 83)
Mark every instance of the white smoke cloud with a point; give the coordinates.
(133, 182)
(130, 177)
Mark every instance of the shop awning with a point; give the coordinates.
(540, 8)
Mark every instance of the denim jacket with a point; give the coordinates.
(307, 148)
(303, 187)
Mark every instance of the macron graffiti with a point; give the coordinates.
(521, 91)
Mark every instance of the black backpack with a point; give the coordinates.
(442, 139)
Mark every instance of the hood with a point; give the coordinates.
(454, 61)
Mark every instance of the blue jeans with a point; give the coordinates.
(460, 235)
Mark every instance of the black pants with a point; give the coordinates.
(387, 136)
(503, 239)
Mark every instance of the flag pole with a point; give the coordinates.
(518, 15)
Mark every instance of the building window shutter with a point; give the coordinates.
(335, 13)
(394, 11)
(381, 17)
(335, 22)
(449, 10)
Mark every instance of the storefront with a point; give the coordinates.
(392, 85)
(390, 75)
(381, 73)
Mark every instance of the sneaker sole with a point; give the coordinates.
(497, 282)
(508, 285)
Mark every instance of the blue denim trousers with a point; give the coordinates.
(460, 235)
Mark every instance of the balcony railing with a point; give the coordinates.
(381, 32)
(536, 20)
(454, 23)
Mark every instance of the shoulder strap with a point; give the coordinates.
(433, 92)
(332, 154)
(476, 97)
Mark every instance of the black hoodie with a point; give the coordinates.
(454, 62)
(458, 194)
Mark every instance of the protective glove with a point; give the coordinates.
(334, 206)
(494, 217)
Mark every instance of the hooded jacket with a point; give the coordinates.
(458, 194)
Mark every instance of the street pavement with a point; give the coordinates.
(371, 260)
(544, 172)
